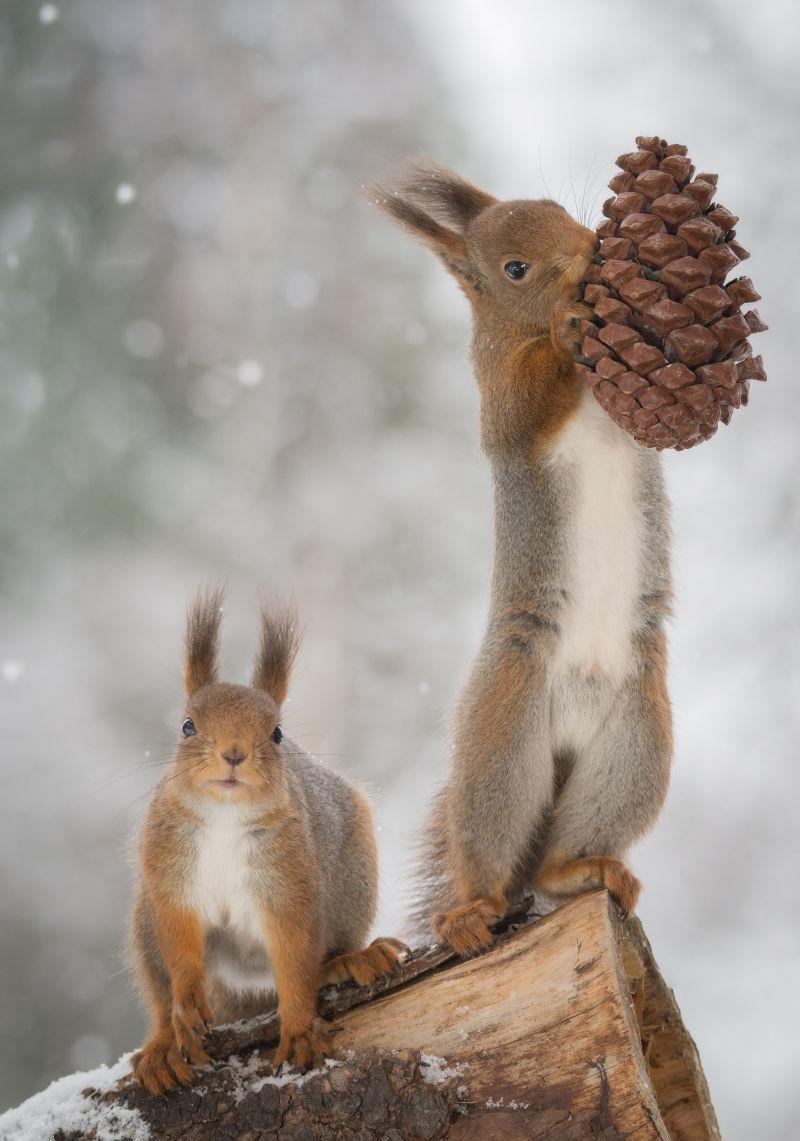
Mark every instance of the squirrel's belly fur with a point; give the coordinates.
(603, 535)
(221, 890)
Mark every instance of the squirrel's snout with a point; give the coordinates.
(234, 756)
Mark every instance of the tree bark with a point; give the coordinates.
(565, 1029)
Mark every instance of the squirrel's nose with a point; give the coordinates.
(234, 756)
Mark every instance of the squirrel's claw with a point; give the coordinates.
(166, 1060)
(303, 1051)
(190, 1021)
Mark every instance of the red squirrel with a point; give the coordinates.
(562, 736)
(258, 867)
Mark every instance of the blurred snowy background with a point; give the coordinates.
(218, 360)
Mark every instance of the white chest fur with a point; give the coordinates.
(222, 884)
(605, 543)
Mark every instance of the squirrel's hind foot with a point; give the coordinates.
(363, 967)
(466, 929)
(573, 877)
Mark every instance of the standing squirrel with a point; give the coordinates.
(562, 737)
(259, 868)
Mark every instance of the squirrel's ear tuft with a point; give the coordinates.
(202, 639)
(280, 641)
(436, 205)
(411, 217)
(443, 194)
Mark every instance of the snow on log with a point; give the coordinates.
(564, 1030)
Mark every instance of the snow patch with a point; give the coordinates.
(63, 1106)
(249, 1080)
(249, 373)
(293, 1077)
(501, 1103)
(436, 1070)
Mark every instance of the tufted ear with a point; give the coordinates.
(202, 639)
(280, 641)
(436, 205)
(445, 195)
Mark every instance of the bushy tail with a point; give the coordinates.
(432, 890)
(432, 885)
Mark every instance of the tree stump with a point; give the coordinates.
(565, 1029)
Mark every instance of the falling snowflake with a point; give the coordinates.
(126, 193)
(249, 373)
(48, 13)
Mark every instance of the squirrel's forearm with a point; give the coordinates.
(528, 399)
(180, 939)
(295, 951)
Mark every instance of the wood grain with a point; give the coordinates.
(564, 1030)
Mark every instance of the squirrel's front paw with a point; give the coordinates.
(191, 1017)
(160, 1065)
(565, 326)
(305, 1050)
(465, 929)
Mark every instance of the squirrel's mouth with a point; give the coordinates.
(227, 782)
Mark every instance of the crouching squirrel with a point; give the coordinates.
(258, 868)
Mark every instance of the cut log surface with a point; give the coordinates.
(564, 1030)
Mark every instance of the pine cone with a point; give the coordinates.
(666, 352)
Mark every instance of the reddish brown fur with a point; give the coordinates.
(503, 694)
(522, 354)
(363, 967)
(296, 952)
(522, 333)
(654, 682)
(169, 936)
(202, 640)
(522, 349)
(466, 928)
(562, 877)
(280, 642)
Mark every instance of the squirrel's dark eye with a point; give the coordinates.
(188, 728)
(277, 734)
(516, 270)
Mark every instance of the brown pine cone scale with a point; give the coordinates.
(667, 352)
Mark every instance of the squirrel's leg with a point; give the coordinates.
(295, 952)
(501, 782)
(348, 930)
(614, 791)
(160, 1064)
